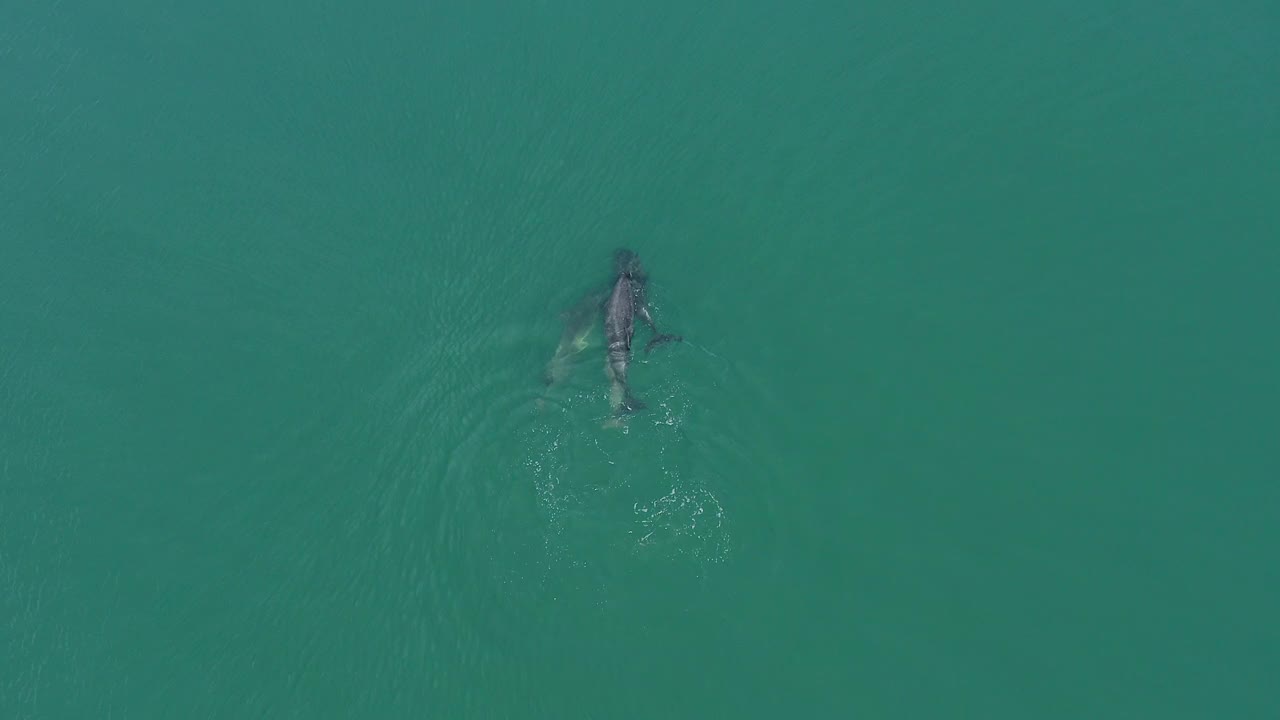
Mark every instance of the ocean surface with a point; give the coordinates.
(975, 416)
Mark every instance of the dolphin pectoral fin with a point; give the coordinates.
(660, 339)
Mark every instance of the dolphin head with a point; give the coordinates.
(626, 262)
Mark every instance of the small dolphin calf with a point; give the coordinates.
(578, 324)
(626, 301)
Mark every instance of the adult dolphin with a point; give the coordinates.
(626, 301)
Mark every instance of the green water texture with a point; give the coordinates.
(976, 416)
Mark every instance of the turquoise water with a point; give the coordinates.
(976, 416)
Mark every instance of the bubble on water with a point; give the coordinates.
(688, 520)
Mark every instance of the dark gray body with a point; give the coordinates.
(626, 301)
(620, 327)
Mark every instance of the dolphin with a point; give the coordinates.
(579, 321)
(626, 300)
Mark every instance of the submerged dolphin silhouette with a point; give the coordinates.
(578, 324)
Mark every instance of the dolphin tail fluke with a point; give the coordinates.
(630, 404)
(660, 339)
